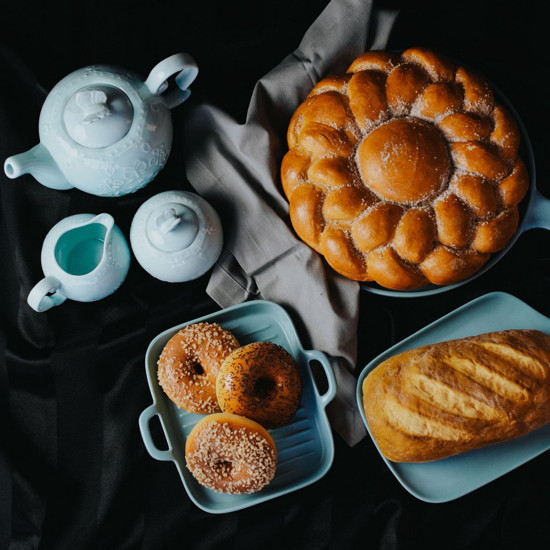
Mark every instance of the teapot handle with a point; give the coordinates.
(187, 69)
(45, 294)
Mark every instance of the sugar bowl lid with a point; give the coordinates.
(176, 236)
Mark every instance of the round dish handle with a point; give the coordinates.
(319, 356)
(152, 449)
(538, 212)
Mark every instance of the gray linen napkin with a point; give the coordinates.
(236, 167)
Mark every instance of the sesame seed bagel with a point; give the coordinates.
(260, 381)
(231, 454)
(189, 364)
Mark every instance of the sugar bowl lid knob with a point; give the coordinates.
(173, 226)
(176, 236)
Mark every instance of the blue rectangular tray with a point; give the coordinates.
(305, 448)
(453, 477)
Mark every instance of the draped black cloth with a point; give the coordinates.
(74, 473)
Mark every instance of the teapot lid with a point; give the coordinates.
(98, 116)
(172, 226)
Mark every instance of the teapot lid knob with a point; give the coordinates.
(172, 227)
(98, 116)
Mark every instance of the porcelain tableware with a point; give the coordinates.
(453, 477)
(305, 447)
(84, 258)
(105, 130)
(176, 236)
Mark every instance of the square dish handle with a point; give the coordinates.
(315, 355)
(144, 419)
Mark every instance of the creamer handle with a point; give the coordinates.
(45, 294)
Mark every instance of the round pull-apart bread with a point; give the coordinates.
(404, 170)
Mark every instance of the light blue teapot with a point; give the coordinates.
(106, 131)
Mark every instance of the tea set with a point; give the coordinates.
(176, 236)
(84, 258)
(106, 131)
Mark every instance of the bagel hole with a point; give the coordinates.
(264, 387)
(224, 467)
(197, 368)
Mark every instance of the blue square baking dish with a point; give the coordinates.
(305, 447)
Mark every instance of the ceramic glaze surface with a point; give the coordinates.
(104, 130)
(176, 236)
(128, 164)
(453, 477)
(79, 251)
(98, 116)
(84, 258)
(305, 447)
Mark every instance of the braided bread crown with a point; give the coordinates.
(404, 170)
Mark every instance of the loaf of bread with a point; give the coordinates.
(404, 170)
(443, 399)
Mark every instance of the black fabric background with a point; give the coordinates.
(74, 473)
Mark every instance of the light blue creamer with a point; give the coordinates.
(104, 130)
(85, 257)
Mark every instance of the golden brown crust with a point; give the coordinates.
(478, 96)
(231, 454)
(477, 193)
(453, 221)
(414, 235)
(492, 235)
(386, 154)
(513, 188)
(189, 364)
(385, 267)
(260, 381)
(435, 401)
(413, 131)
(444, 265)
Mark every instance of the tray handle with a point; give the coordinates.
(152, 449)
(315, 355)
(538, 212)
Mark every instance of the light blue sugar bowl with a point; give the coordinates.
(176, 236)
(105, 130)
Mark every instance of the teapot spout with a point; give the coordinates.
(39, 163)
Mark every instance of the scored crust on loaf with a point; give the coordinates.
(398, 134)
(443, 399)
